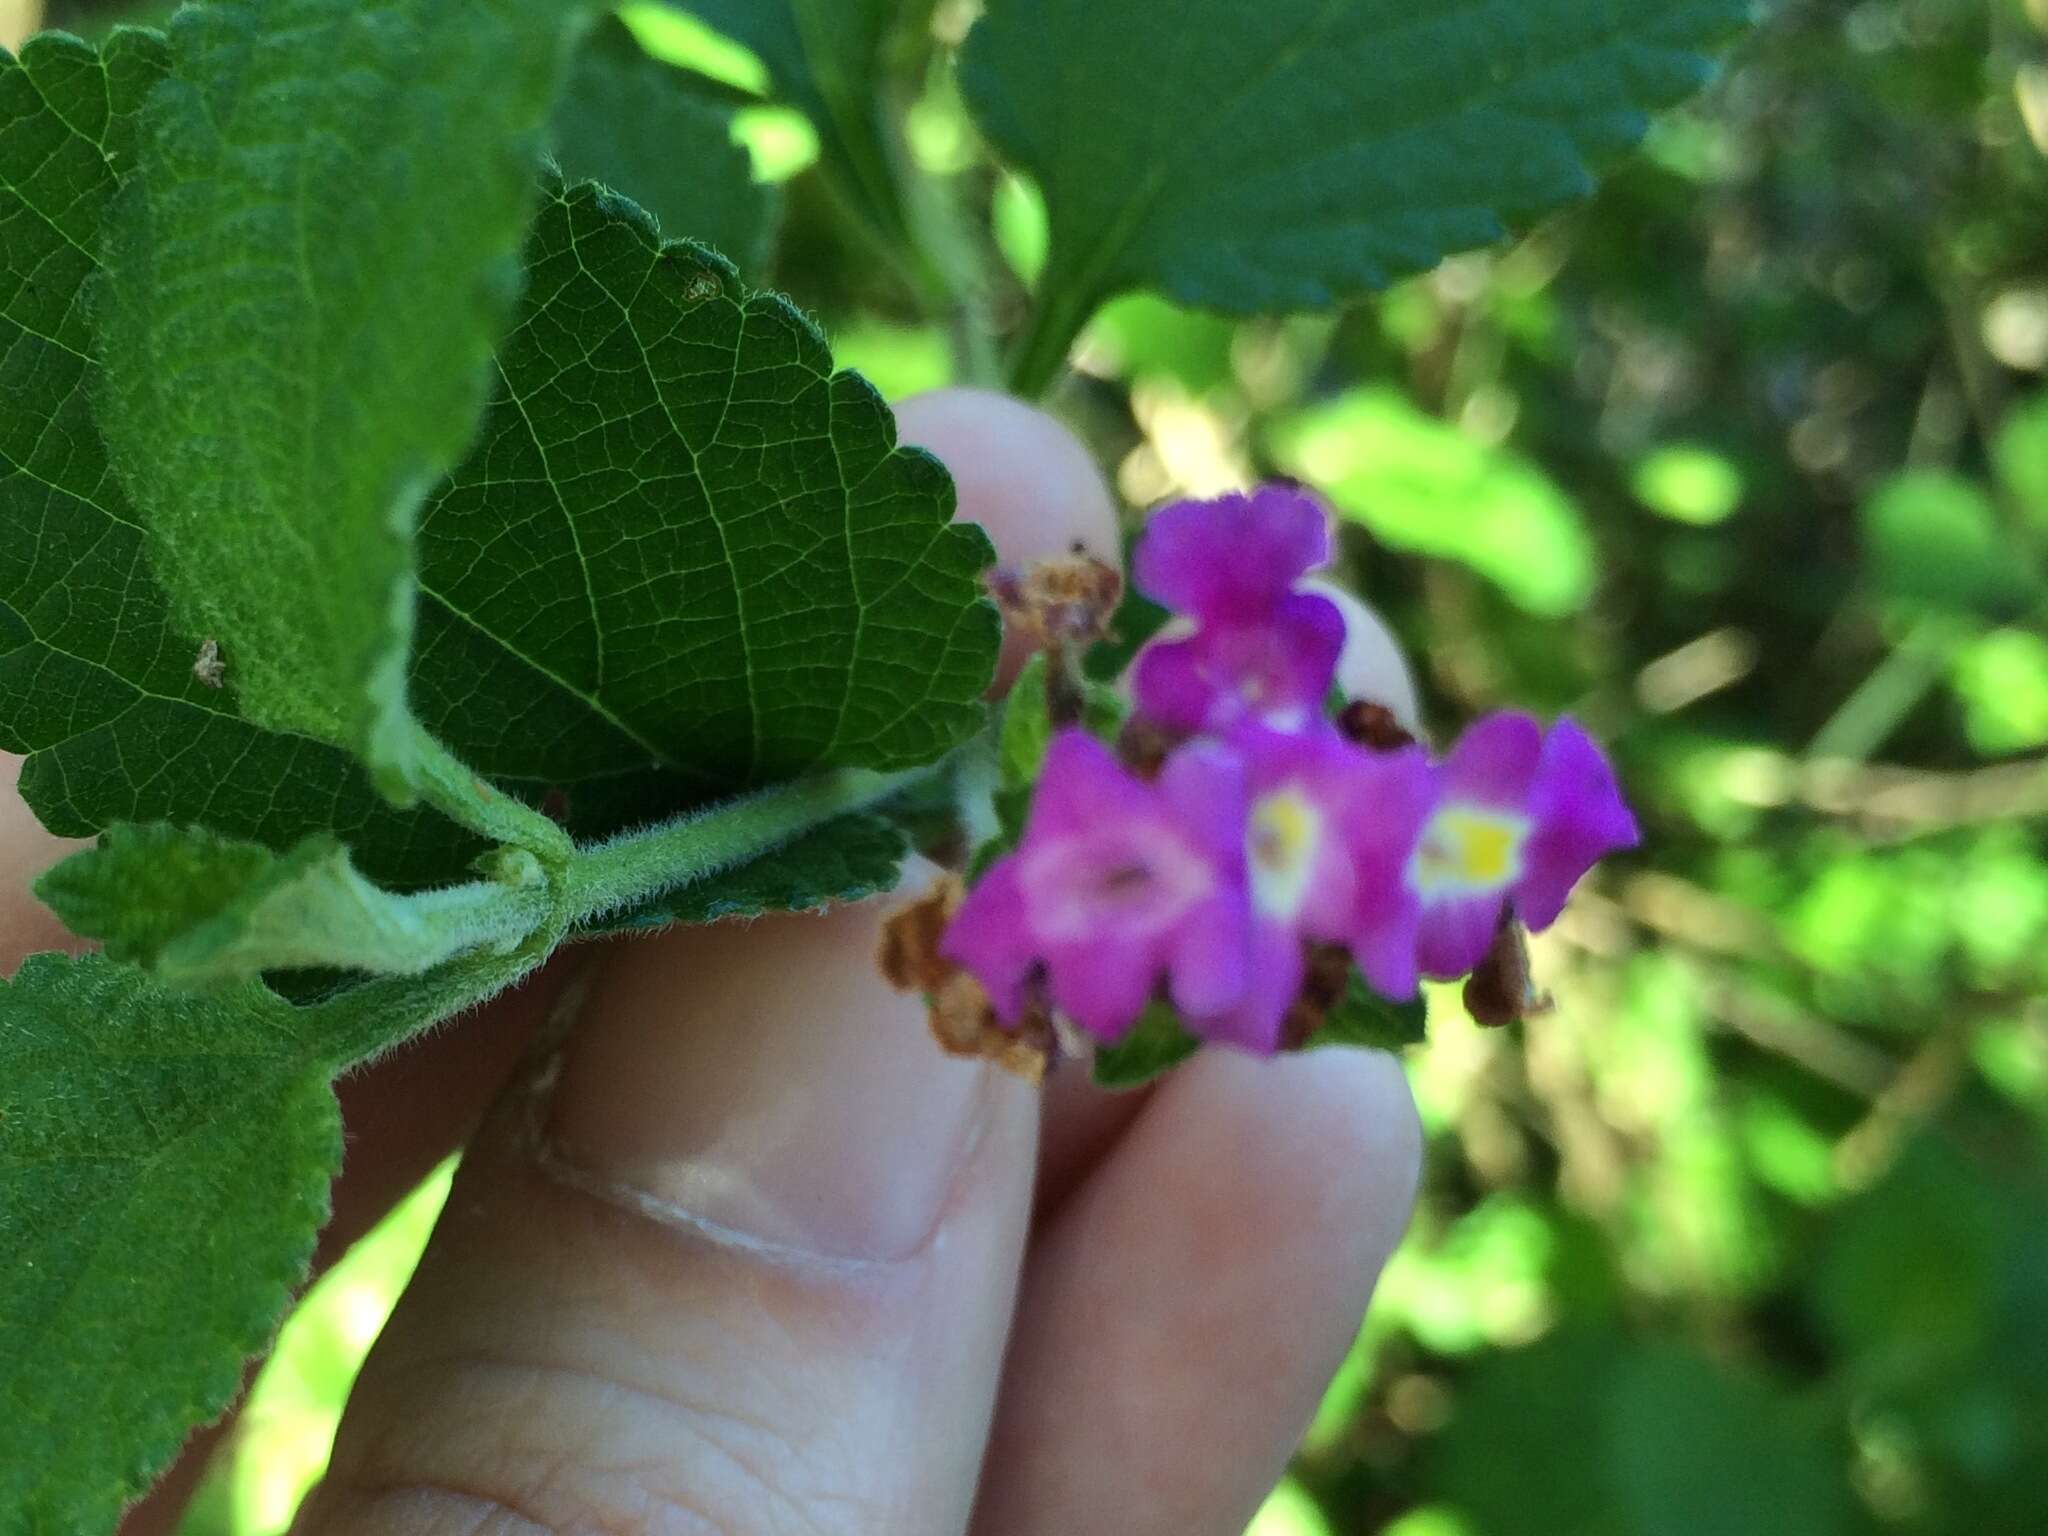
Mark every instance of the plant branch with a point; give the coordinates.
(458, 792)
(642, 864)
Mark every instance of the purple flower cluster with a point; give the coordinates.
(1267, 831)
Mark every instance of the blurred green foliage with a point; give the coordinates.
(1746, 463)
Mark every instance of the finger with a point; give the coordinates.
(1022, 476)
(1371, 666)
(742, 1254)
(1182, 1313)
(26, 850)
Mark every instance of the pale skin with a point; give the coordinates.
(748, 1255)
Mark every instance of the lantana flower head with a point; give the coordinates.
(1270, 843)
(1115, 885)
(1329, 836)
(1522, 815)
(1259, 649)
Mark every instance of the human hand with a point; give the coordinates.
(744, 1252)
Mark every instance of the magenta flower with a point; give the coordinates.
(1260, 649)
(1116, 884)
(1330, 834)
(1229, 561)
(1521, 817)
(1276, 671)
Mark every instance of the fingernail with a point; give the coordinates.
(763, 1082)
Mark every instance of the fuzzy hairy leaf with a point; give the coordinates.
(642, 127)
(306, 274)
(685, 557)
(96, 685)
(824, 57)
(194, 908)
(1290, 154)
(126, 1108)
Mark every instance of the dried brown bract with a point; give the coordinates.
(962, 1019)
(1063, 605)
(1325, 977)
(1144, 744)
(1374, 725)
(1502, 991)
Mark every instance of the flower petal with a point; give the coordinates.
(990, 937)
(1395, 805)
(1171, 683)
(1102, 987)
(1495, 762)
(1204, 783)
(1212, 956)
(1580, 818)
(1277, 669)
(1231, 559)
(1276, 976)
(1081, 784)
(1455, 933)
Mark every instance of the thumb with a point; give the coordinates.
(741, 1253)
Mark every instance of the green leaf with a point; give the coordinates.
(1420, 484)
(164, 1162)
(850, 859)
(305, 278)
(1363, 1017)
(95, 684)
(1027, 727)
(825, 58)
(685, 557)
(1640, 1440)
(643, 127)
(1932, 537)
(2002, 679)
(1253, 158)
(1688, 484)
(1156, 1044)
(2020, 452)
(1696, 1451)
(195, 908)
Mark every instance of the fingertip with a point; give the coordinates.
(1342, 1115)
(1020, 473)
(1372, 666)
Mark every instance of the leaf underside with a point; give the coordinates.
(132, 1320)
(96, 684)
(199, 909)
(297, 316)
(1289, 154)
(682, 557)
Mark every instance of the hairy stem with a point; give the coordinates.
(643, 864)
(458, 792)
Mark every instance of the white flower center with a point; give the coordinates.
(1468, 851)
(1286, 833)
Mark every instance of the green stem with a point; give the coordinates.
(1042, 349)
(1894, 688)
(453, 788)
(642, 864)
